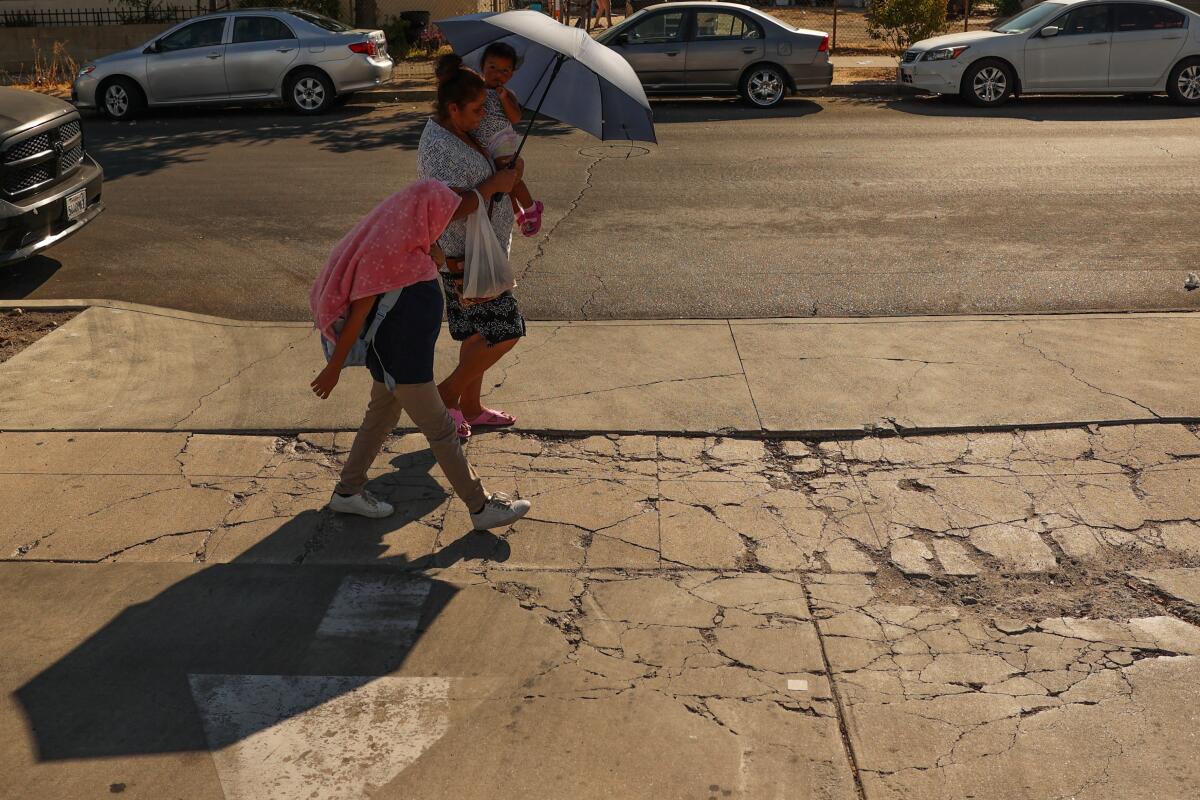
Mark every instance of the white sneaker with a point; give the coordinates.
(364, 504)
(499, 511)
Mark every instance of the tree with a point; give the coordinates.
(899, 23)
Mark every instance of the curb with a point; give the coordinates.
(80, 304)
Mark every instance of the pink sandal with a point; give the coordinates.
(491, 418)
(464, 428)
(530, 219)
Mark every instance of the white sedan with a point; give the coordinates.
(1068, 47)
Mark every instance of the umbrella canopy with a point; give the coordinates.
(574, 78)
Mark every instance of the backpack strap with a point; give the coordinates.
(386, 303)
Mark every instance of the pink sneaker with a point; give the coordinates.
(530, 219)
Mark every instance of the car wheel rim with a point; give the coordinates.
(765, 88)
(1189, 83)
(309, 93)
(116, 100)
(990, 84)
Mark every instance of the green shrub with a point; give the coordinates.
(396, 31)
(1007, 8)
(899, 23)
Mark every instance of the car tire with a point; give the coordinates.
(121, 99)
(764, 86)
(309, 92)
(988, 83)
(1183, 85)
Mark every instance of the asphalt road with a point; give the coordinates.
(826, 207)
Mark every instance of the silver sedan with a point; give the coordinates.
(240, 56)
(721, 48)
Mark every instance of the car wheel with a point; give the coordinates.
(1184, 84)
(764, 86)
(121, 99)
(988, 84)
(310, 92)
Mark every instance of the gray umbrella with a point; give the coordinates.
(564, 73)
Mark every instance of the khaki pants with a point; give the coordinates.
(424, 405)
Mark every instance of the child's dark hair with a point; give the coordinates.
(445, 67)
(500, 50)
(458, 88)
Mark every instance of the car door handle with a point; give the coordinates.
(214, 55)
(1099, 41)
(673, 53)
(1174, 36)
(284, 49)
(749, 50)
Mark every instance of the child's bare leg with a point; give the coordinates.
(520, 194)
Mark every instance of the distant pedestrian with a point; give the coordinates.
(602, 7)
(389, 250)
(489, 328)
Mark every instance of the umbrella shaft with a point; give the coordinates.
(558, 62)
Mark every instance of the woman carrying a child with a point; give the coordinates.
(450, 152)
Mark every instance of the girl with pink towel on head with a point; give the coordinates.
(389, 251)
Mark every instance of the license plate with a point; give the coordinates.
(905, 77)
(76, 204)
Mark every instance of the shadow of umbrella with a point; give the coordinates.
(128, 689)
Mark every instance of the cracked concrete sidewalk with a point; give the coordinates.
(988, 615)
(122, 367)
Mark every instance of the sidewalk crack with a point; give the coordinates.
(838, 705)
(540, 253)
(1071, 370)
(199, 403)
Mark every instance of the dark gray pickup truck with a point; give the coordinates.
(49, 185)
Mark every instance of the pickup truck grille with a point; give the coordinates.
(37, 161)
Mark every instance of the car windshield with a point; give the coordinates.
(1029, 19)
(617, 30)
(322, 22)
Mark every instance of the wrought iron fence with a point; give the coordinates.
(77, 17)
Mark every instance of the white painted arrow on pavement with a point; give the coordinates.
(334, 737)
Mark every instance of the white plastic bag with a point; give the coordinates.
(487, 272)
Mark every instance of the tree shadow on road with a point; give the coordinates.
(669, 110)
(170, 137)
(1051, 109)
(25, 277)
(128, 688)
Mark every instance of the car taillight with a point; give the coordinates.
(824, 48)
(366, 48)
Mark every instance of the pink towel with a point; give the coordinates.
(387, 250)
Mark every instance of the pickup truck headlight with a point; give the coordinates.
(944, 54)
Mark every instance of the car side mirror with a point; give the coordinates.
(154, 47)
(622, 39)
(1050, 30)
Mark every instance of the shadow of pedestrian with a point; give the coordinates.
(278, 609)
